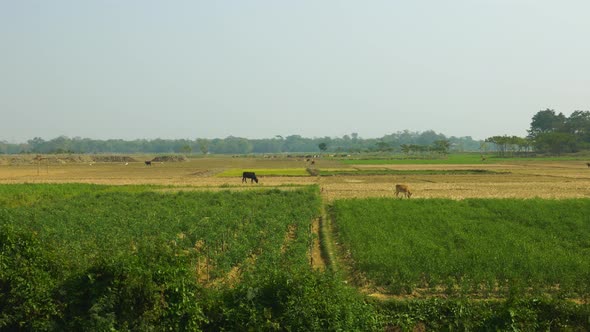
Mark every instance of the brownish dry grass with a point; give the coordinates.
(567, 179)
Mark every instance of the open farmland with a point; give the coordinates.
(89, 257)
(155, 238)
(481, 248)
(266, 172)
(343, 178)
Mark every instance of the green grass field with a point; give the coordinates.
(97, 258)
(366, 172)
(79, 257)
(265, 172)
(476, 246)
(453, 158)
(408, 160)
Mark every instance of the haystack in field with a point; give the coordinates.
(172, 158)
(113, 159)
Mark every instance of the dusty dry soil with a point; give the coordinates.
(567, 179)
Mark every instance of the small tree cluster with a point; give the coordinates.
(510, 145)
(550, 132)
(439, 146)
(557, 133)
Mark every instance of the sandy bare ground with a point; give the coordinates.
(519, 180)
(459, 186)
(566, 179)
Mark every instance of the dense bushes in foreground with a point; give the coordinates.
(522, 314)
(102, 258)
(97, 258)
(119, 295)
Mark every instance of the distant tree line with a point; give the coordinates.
(549, 133)
(404, 141)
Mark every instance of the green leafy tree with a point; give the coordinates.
(383, 146)
(429, 137)
(441, 146)
(578, 124)
(203, 145)
(36, 144)
(556, 142)
(323, 146)
(521, 144)
(405, 148)
(186, 149)
(545, 122)
(501, 143)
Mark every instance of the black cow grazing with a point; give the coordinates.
(588, 164)
(148, 163)
(249, 175)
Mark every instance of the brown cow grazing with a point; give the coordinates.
(588, 164)
(404, 189)
(148, 163)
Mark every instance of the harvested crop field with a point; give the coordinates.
(525, 179)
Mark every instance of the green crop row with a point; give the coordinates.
(365, 172)
(135, 258)
(477, 247)
(453, 158)
(94, 258)
(266, 172)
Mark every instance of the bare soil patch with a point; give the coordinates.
(317, 260)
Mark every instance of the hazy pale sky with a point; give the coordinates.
(187, 69)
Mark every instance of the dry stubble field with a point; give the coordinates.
(520, 179)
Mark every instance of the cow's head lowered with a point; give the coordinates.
(249, 175)
(404, 189)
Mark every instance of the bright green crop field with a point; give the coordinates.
(450, 159)
(477, 247)
(119, 258)
(365, 172)
(80, 257)
(266, 172)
